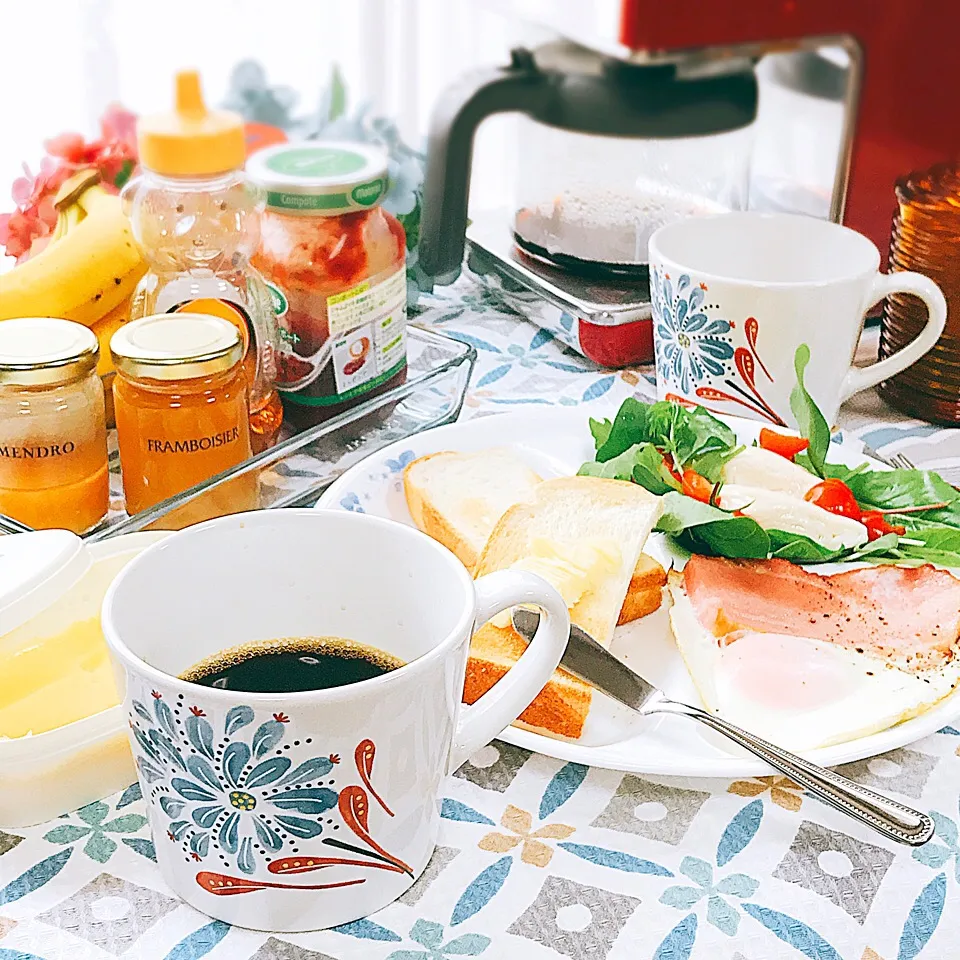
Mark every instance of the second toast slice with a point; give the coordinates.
(584, 535)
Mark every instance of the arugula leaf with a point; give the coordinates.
(642, 463)
(811, 421)
(687, 434)
(889, 489)
(629, 427)
(702, 528)
(601, 431)
(738, 538)
(934, 545)
(800, 549)
(711, 464)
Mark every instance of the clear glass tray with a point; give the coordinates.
(300, 467)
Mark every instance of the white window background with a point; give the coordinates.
(65, 66)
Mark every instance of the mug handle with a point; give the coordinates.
(510, 696)
(859, 378)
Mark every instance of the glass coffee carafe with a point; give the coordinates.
(608, 151)
(589, 202)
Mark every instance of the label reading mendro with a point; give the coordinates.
(38, 452)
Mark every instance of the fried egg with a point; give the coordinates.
(799, 692)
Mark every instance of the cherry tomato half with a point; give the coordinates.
(668, 463)
(782, 444)
(695, 486)
(834, 496)
(877, 526)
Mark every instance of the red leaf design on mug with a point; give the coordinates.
(355, 809)
(222, 885)
(712, 393)
(290, 865)
(364, 754)
(751, 328)
(743, 358)
(683, 401)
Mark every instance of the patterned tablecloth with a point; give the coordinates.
(539, 858)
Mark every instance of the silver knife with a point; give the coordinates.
(586, 659)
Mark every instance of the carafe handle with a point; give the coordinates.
(520, 86)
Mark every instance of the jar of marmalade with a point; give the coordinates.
(53, 435)
(180, 396)
(335, 261)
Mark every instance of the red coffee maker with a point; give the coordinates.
(646, 108)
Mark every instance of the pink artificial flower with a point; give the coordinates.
(26, 230)
(119, 125)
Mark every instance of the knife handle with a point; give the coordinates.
(889, 818)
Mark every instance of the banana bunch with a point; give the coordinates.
(90, 267)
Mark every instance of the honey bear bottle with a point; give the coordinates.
(196, 216)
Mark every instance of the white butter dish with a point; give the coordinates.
(49, 581)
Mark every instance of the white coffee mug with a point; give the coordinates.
(735, 295)
(300, 811)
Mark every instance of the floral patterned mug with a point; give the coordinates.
(735, 295)
(299, 811)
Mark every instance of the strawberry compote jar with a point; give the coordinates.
(335, 262)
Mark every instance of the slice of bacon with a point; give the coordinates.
(909, 616)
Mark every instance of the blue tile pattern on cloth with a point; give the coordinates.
(539, 858)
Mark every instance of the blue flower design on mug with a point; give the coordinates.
(690, 346)
(226, 791)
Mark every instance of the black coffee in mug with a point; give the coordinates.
(291, 665)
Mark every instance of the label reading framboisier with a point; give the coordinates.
(194, 444)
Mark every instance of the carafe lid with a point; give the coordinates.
(321, 178)
(191, 141)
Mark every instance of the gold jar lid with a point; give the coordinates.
(176, 346)
(45, 351)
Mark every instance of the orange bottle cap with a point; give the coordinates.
(191, 141)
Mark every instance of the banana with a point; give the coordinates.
(105, 328)
(90, 267)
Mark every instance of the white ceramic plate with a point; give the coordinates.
(555, 442)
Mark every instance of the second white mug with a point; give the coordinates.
(734, 296)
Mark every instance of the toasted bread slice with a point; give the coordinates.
(645, 593)
(561, 706)
(569, 514)
(457, 498)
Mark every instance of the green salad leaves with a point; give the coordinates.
(653, 444)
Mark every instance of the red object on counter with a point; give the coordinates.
(625, 345)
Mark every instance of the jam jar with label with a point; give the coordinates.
(180, 396)
(335, 262)
(53, 435)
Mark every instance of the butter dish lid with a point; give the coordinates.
(36, 569)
